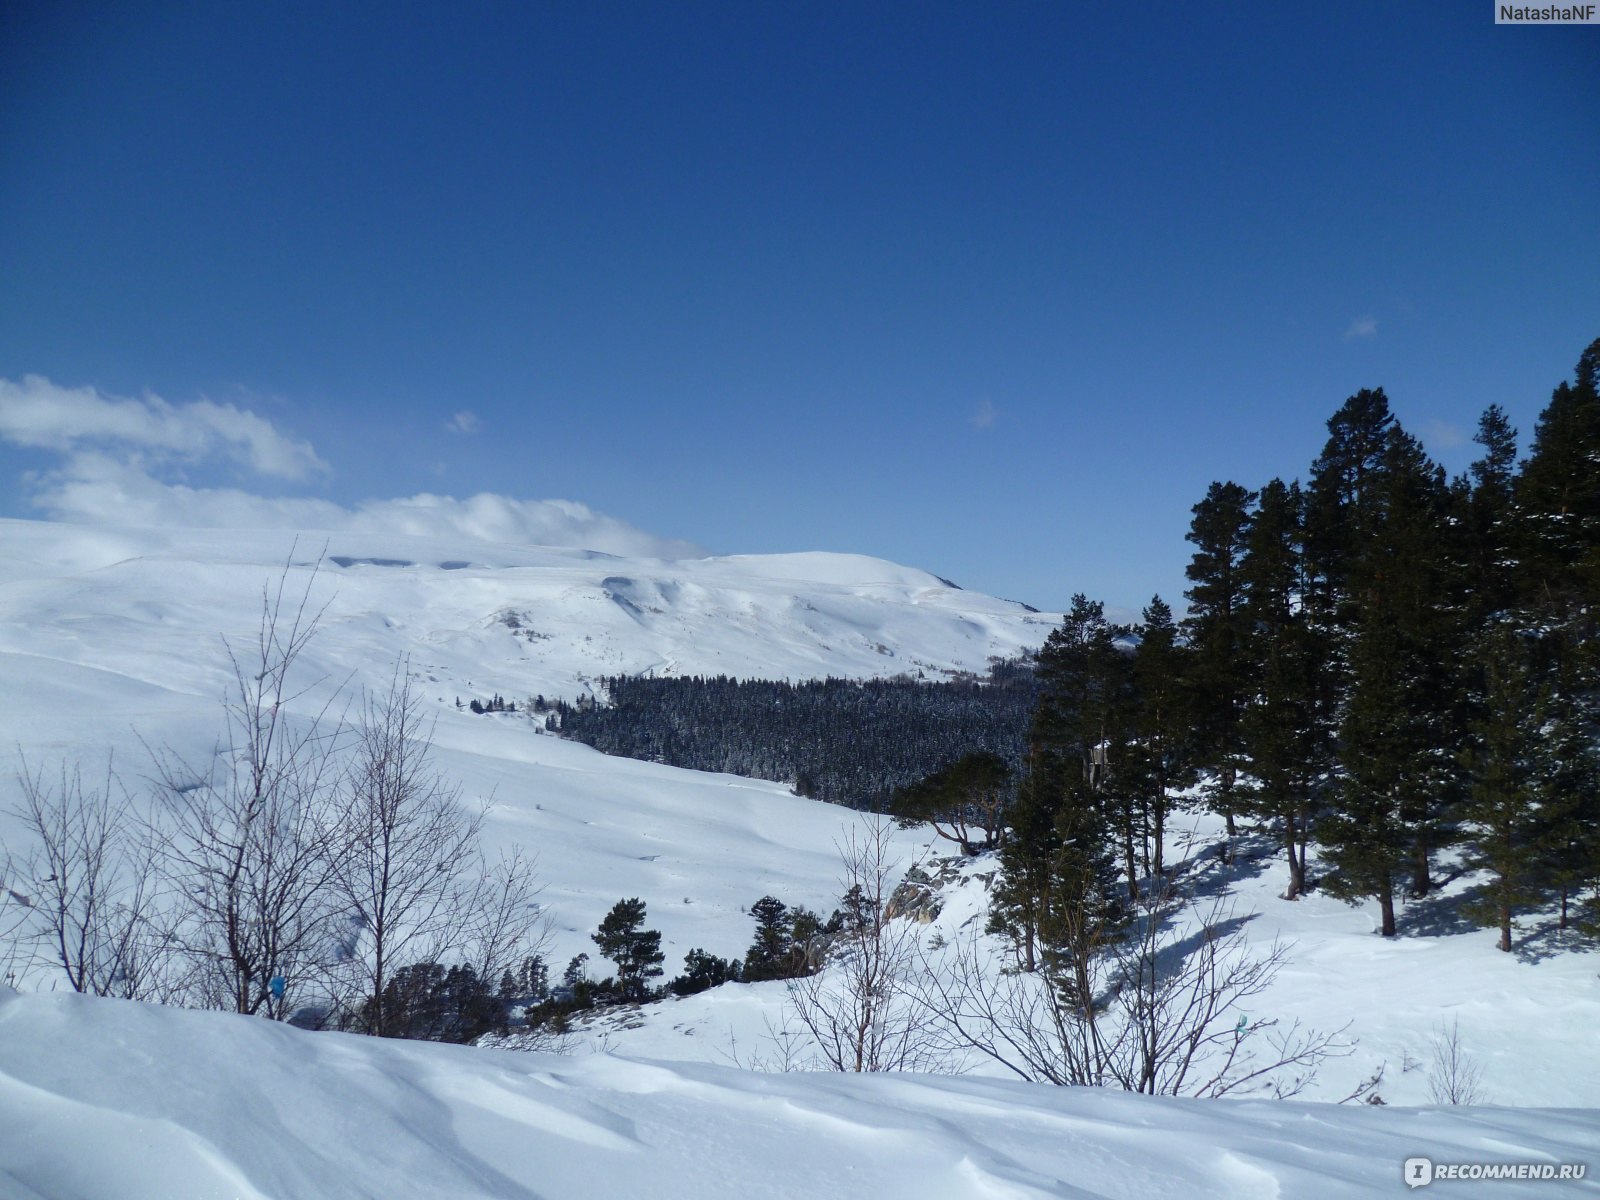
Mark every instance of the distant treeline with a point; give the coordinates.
(847, 741)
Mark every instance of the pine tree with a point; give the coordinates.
(1558, 494)
(1502, 811)
(1279, 730)
(960, 800)
(1340, 503)
(636, 950)
(772, 951)
(1216, 633)
(1057, 854)
(1490, 523)
(1163, 730)
(1021, 895)
(1568, 769)
(1398, 737)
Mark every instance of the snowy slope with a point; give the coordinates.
(1526, 1020)
(113, 638)
(174, 1103)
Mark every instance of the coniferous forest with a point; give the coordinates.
(1394, 667)
(846, 741)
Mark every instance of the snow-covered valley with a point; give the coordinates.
(112, 641)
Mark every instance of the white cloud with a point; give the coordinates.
(38, 413)
(112, 448)
(1365, 326)
(985, 417)
(1445, 435)
(464, 422)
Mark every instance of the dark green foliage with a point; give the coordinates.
(845, 741)
(1058, 884)
(429, 1002)
(1502, 812)
(960, 801)
(1216, 632)
(1341, 503)
(1279, 732)
(702, 971)
(1490, 519)
(1558, 496)
(1162, 754)
(1401, 723)
(636, 950)
(788, 942)
(528, 984)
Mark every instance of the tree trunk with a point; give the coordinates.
(1386, 904)
(1421, 881)
(1297, 871)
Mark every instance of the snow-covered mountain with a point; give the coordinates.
(113, 641)
(116, 640)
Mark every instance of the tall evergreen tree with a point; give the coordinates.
(1341, 505)
(1215, 630)
(1057, 866)
(1558, 493)
(1278, 729)
(1502, 810)
(1490, 525)
(1162, 744)
(1398, 736)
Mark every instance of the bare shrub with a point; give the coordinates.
(1158, 1011)
(92, 887)
(1454, 1076)
(860, 1009)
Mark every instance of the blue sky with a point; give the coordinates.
(994, 290)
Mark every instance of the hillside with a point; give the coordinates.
(111, 641)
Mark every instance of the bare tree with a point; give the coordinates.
(1454, 1076)
(860, 1009)
(1157, 1011)
(1183, 1001)
(93, 893)
(502, 923)
(409, 848)
(249, 842)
